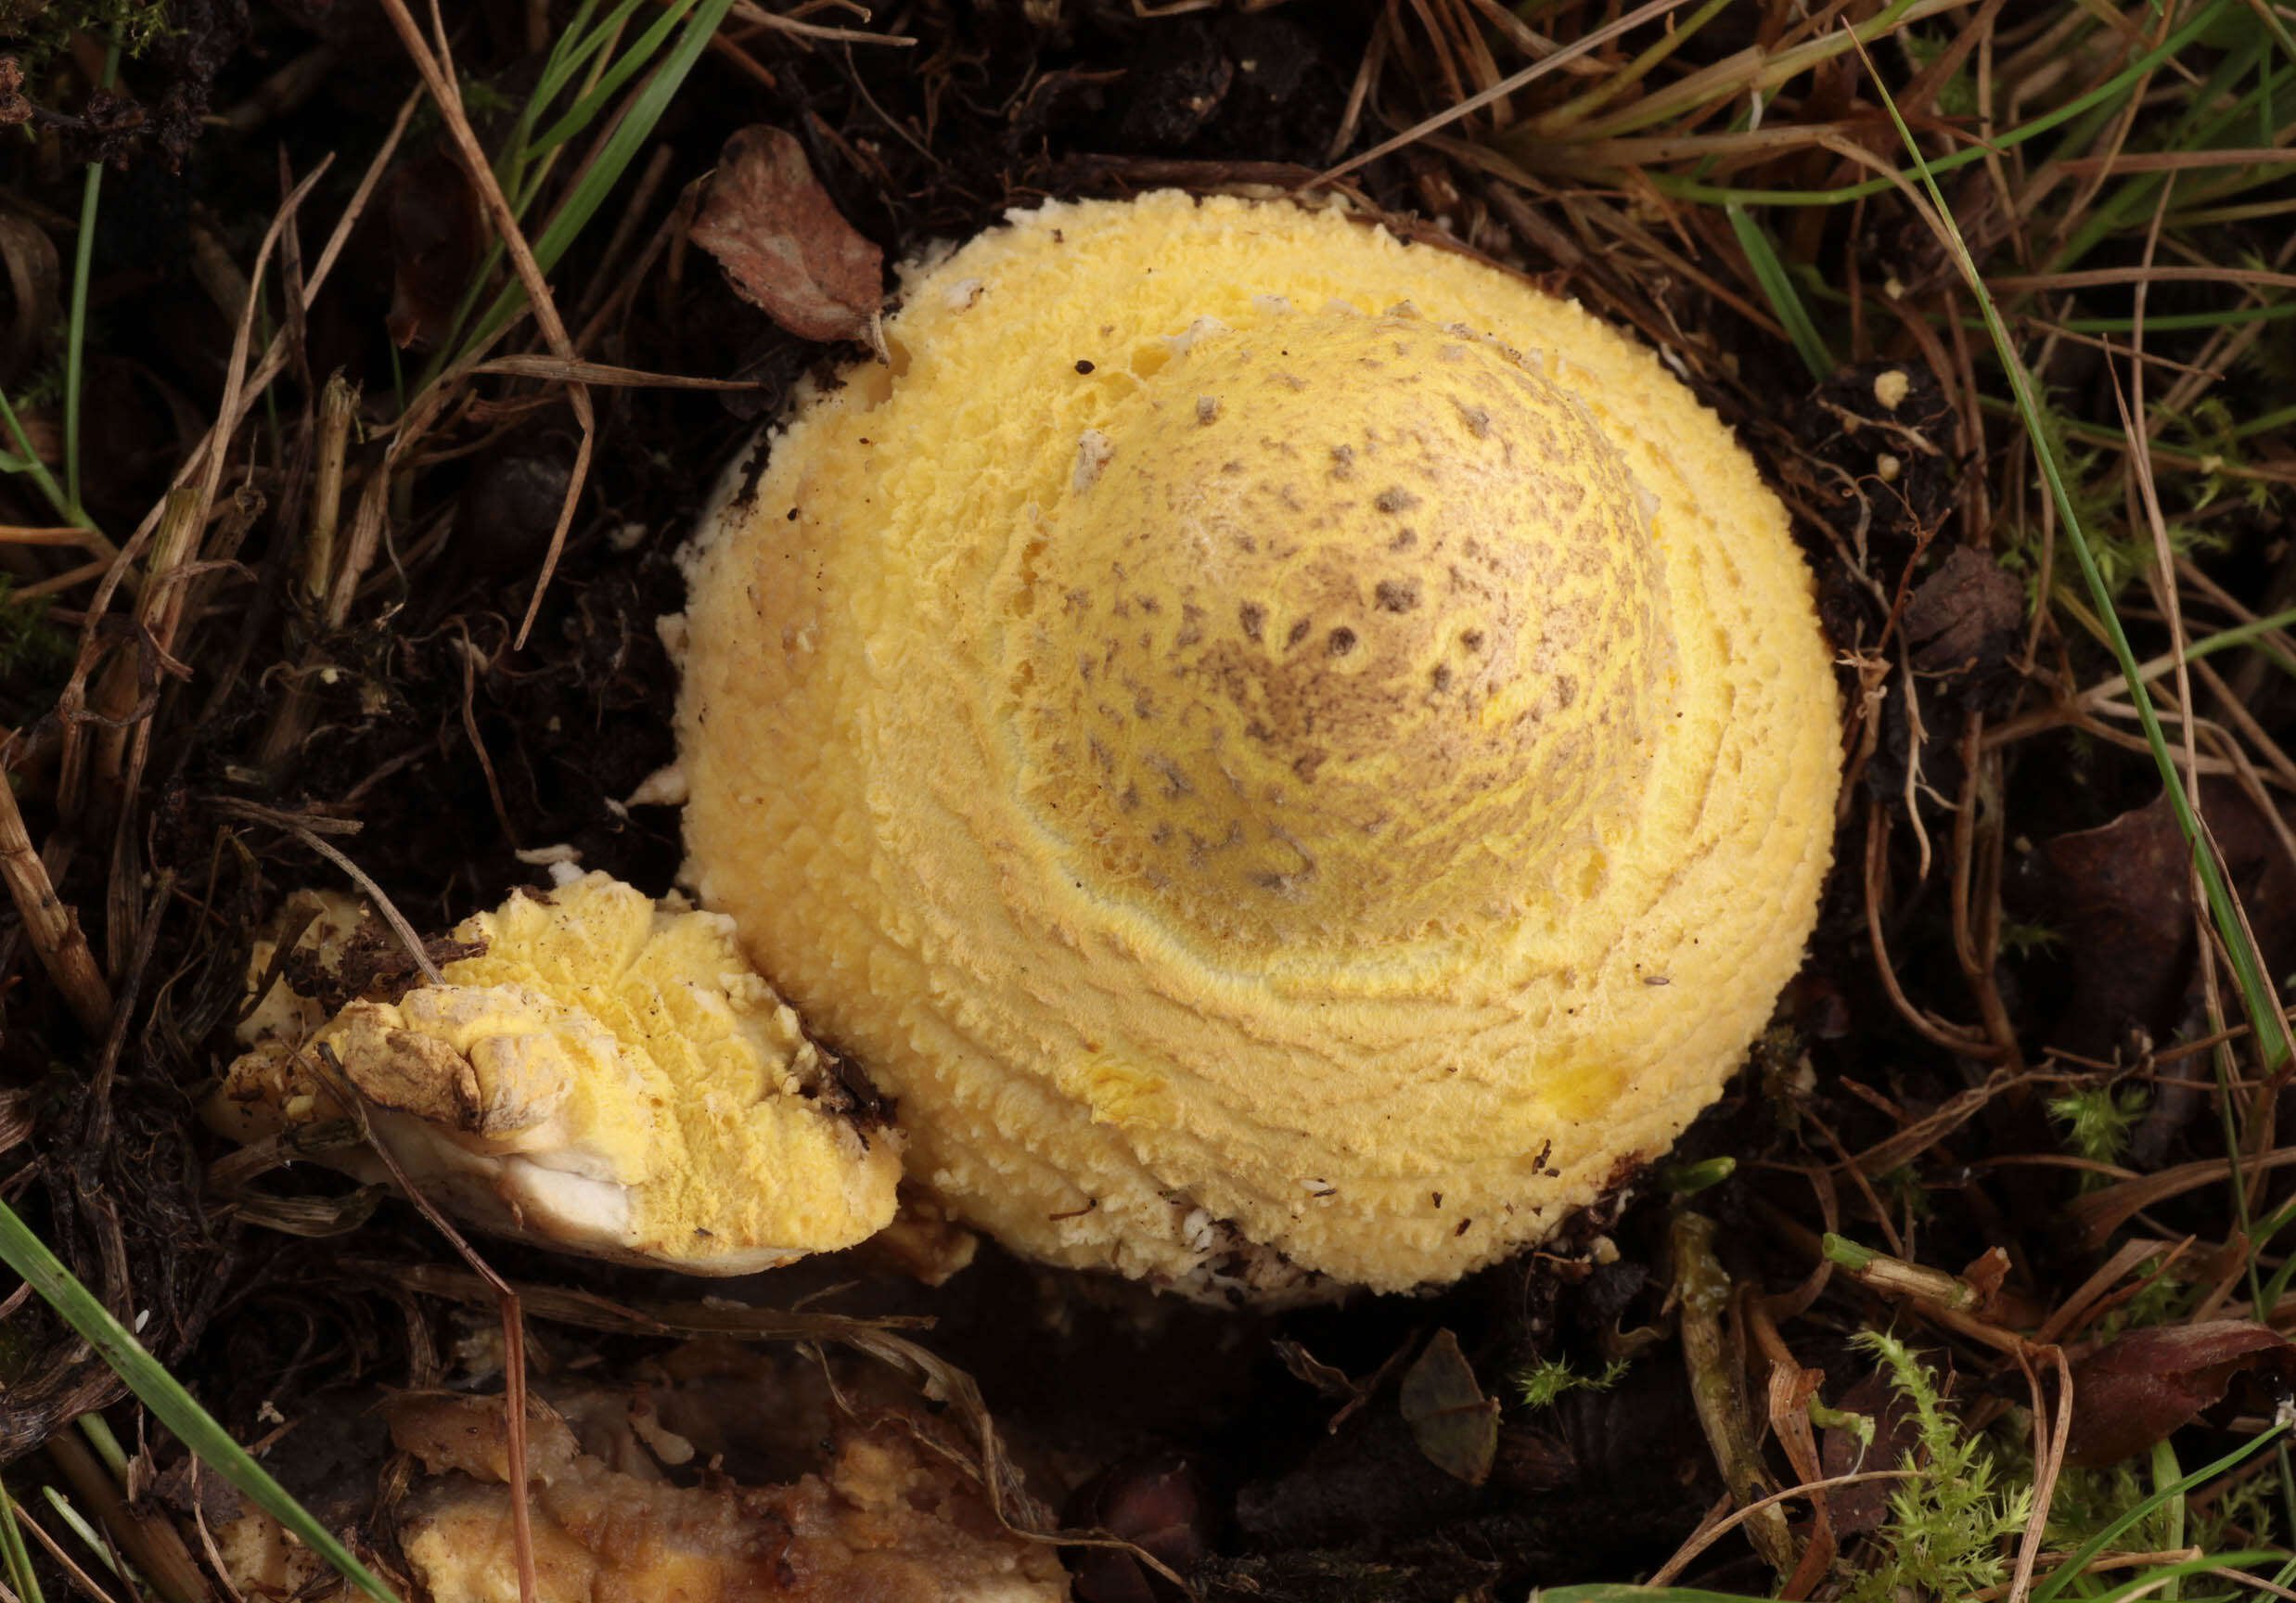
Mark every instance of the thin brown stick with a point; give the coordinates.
(359, 877)
(447, 95)
(2049, 1462)
(51, 927)
(120, 695)
(1952, 1037)
(1584, 45)
(2096, 277)
(507, 1302)
(1706, 1536)
(70, 1567)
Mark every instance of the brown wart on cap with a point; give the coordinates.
(1231, 801)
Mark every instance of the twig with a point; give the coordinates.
(447, 95)
(1702, 1289)
(384, 905)
(1706, 1538)
(506, 1301)
(1584, 45)
(53, 928)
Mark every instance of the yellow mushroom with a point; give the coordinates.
(607, 1076)
(1288, 754)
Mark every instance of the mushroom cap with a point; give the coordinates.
(1288, 754)
(607, 1076)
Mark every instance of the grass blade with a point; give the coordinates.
(165, 1396)
(621, 147)
(585, 111)
(577, 43)
(22, 1579)
(27, 460)
(1779, 284)
(76, 329)
(2256, 989)
(2077, 1560)
(2119, 85)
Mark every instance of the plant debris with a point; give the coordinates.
(782, 243)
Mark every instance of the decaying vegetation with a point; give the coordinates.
(366, 364)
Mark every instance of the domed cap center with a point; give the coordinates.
(1350, 630)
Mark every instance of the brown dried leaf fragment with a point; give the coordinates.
(1454, 1423)
(783, 243)
(1892, 1431)
(1966, 618)
(1159, 1503)
(2120, 897)
(2138, 1387)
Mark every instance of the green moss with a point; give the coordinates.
(2098, 1120)
(1538, 1385)
(1950, 1520)
(37, 31)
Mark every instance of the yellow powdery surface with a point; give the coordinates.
(609, 1075)
(1257, 734)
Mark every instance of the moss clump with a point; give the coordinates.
(1951, 1520)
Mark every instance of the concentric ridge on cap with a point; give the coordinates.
(1396, 678)
(1202, 952)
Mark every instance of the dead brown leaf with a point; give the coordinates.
(1966, 618)
(783, 243)
(2137, 1389)
(1454, 1423)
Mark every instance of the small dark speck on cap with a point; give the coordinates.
(1395, 499)
(793, 514)
(1083, 367)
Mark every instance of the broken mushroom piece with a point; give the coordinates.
(607, 1076)
(886, 1520)
(1289, 754)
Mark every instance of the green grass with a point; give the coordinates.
(15, 1557)
(587, 49)
(1778, 284)
(590, 50)
(160, 1391)
(76, 325)
(2256, 992)
(1948, 1526)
